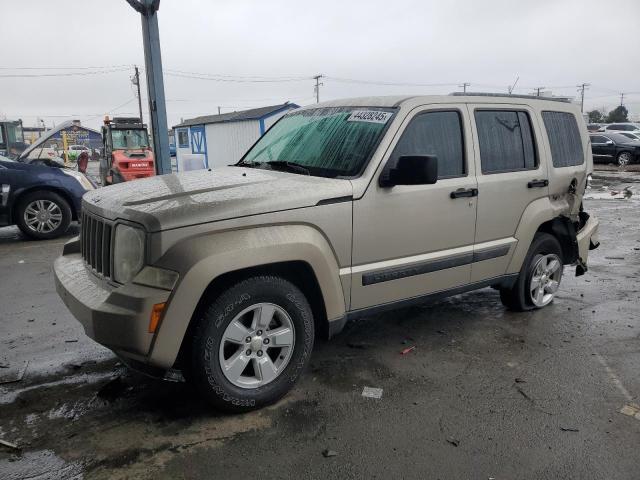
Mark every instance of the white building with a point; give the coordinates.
(217, 140)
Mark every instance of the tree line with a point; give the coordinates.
(617, 115)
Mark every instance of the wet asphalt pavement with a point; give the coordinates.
(486, 393)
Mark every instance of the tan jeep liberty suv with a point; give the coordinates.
(340, 210)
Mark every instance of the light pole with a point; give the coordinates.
(148, 10)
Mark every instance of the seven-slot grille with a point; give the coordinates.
(95, 244)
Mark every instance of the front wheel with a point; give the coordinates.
(252, 343)
(539, 278)
(624, 159)
(43, 215)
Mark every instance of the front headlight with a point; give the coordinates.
(80, 177)
(128, 253)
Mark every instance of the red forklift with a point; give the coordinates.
(127, 153)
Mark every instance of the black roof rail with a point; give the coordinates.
(509, 95)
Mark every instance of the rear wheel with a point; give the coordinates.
(539, 278)
(252, 343)
(43, 215)
(624, 159)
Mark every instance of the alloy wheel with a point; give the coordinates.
(257, 345)
(545, 280)
(43, 216)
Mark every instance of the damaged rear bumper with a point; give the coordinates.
(587, 239)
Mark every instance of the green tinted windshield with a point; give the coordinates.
(327, 141)
(129, 139)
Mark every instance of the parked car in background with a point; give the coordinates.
(40, 196)
(74, 151)
(631, 135)
(614, 147)
(622, 127)
(594, 127)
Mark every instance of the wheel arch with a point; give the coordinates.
(544, 215)
(208, 264)
(298, 272)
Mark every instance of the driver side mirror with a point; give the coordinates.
(410, 170)
(609, 142)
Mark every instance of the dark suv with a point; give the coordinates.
(41, 199)
(614, 147)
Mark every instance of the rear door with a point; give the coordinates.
(568, 147)
(510, 176)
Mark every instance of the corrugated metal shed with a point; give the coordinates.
(211, 141)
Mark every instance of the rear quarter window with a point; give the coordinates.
(564, 139)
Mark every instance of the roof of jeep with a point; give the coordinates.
(458, 97)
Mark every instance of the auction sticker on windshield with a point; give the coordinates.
(372, 116)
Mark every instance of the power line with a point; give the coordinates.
(69, 74)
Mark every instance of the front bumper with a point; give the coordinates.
(116, 316)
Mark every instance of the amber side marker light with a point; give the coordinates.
(156, 315)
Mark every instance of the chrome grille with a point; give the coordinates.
(95, 244)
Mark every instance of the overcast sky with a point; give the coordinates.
(489, 43)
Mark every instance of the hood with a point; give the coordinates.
(181, 199)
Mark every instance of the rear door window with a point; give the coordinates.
(564, 139)
(435, 133)
(506, 141)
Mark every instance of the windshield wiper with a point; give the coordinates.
(290, 166)
(246, 164)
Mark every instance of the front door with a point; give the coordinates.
(602, 147)
(412, 240)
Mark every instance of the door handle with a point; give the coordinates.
(538, 183)
(462, 192)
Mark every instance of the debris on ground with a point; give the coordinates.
(359, 345)
(407, 350)
(520, 380)
(326, 453)
(614, 258)
(569, 429)
(524, 394)
(112, 389)
(632, 410)
(10, 445)
(10, 375)
(372, 392)
(453, 441)
(71, 340)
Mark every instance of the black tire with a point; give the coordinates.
(517, 298)
(206, 372)
(624, 159)
(48, 196)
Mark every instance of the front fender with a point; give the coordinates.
(202, 259)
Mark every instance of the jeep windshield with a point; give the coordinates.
(328, 142)
(129, 139)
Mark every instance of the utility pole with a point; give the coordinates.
(581, 89)
(136, 82)
(148, 10)
(218, 110)
(538, 91)
(512, 87)
(622, 99)
(464, 86)
(317, 87)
